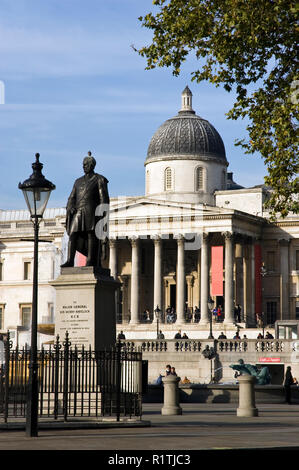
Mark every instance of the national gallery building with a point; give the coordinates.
(194, 237)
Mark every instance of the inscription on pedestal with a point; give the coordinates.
(75, 318)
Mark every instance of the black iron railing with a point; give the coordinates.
(73, 382)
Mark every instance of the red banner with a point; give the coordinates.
(217, 270)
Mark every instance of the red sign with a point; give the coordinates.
(269, 359)
(217, 270)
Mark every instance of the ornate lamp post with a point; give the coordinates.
(36, 190)
(157, 312)
(210, 307)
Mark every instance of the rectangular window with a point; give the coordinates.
(26, 315)
(27, 270)
(1, 271)
(270, 264)
(297, 309)
(271, 313)
(297, 260)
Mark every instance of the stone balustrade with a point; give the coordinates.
(186, 355)
(222, 346)
(173, 345)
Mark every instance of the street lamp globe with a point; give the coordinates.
(36, 190)
(157, 312)
(210, 303)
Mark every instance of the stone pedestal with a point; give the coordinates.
(85, 307)
(171, 396)
(246, 396)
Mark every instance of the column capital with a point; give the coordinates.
(228, 235)
(180, 239)
(205, 236)
(112, 242)
(157, 239)
(284, 241)
(135, 241)
(190, 280)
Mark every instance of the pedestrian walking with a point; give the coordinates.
(288, 381)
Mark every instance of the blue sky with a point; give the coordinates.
(73, 83)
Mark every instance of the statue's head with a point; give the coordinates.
(240, 361)
(89, 163)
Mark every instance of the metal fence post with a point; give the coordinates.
(66, 345)
(7, 346)
(57, 347)
(118, 378)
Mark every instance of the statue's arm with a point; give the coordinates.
(103, 190)
(71, 203)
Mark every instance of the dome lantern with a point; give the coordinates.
(186, 101)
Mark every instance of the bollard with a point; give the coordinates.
(171, 396)
(246, 397)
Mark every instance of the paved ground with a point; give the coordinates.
(200, 427)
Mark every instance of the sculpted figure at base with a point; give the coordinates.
(262, 375)
(86, 208)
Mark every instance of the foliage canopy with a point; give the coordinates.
(248, 46)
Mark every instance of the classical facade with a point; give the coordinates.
(194, 235)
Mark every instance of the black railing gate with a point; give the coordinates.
(73, 382)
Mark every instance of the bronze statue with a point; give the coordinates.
(262, 375)
(87, 207)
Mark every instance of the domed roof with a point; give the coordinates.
(186, 136)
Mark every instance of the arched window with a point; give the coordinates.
(199, 178)
(168, 183)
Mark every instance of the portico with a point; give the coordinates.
(173, 270)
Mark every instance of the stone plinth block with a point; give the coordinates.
(246, 396)
(85, 307)
(171, 396)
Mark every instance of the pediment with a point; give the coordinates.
(149, 207)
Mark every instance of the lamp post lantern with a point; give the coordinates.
(210, 307)
(157, 312)
(36, 190)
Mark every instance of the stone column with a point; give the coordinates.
(247, 407)
(113, 270)
(204, 279)
(229, 285)
(158, 283)
(284, 279)
(113, 257)
(171, 404)
(125, 298)
(180, 281)
(135, 242)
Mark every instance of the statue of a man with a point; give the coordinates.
(86, 206)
